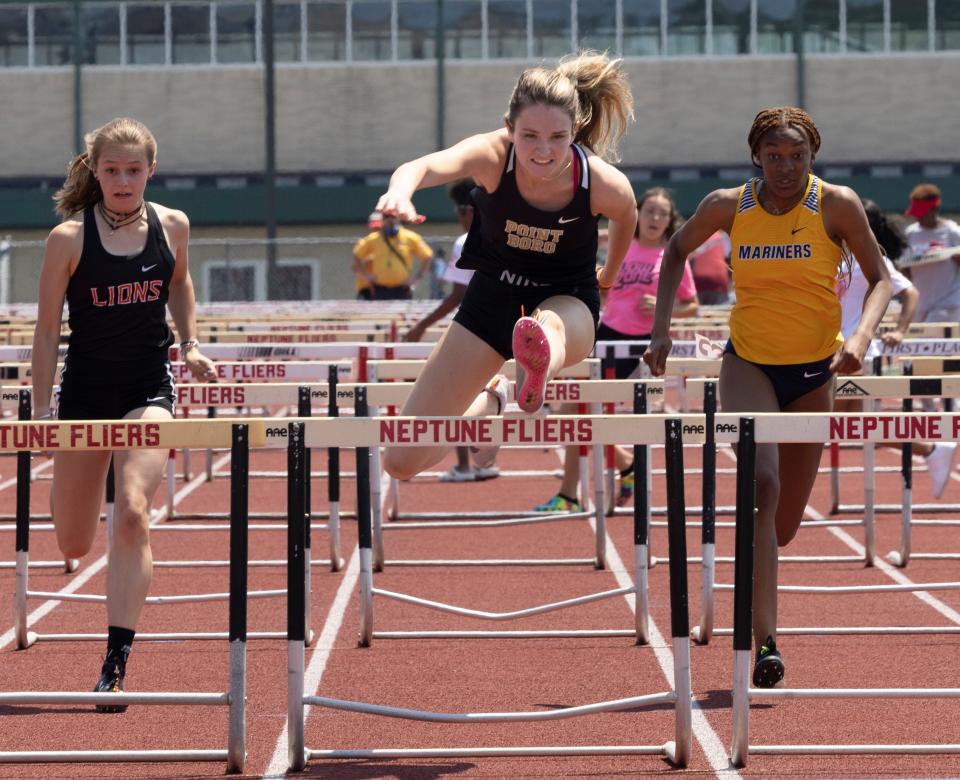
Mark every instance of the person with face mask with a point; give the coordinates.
(384, 260)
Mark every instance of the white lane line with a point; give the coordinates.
(891, 571)
(318, 661)
(710, 742)
(81, 579)
(34, 472)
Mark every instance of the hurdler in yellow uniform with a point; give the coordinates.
(785, 274)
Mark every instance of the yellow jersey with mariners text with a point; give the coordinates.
(785, 274)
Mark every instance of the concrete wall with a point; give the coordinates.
(689, 111)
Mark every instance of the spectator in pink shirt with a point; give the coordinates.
(628, 316)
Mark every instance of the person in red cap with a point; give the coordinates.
(937, 283)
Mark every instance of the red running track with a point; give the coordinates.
(472, 675)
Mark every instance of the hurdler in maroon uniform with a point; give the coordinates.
(119, 263)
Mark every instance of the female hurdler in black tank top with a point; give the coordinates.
(525, 255)
(117, 358)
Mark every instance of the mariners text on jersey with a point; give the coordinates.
(774, 251)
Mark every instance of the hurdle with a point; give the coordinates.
(99, 435)
(235, 698)
(366, 433)
(759, 430)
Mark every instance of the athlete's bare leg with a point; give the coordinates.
(76, 499)
(450, 384)
(138, 475)
(745, 388)
(798, 466)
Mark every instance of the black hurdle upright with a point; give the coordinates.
(641, 524)
(364, 528)
(23, 530)
(333, 476)
(239, 554)
(708, 529)
(111, 496)
(303, 410)
(296, 596)
(906, 469)
(743, 589)
(679, 608)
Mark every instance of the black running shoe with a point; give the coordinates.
(768, 669)
(111, 681)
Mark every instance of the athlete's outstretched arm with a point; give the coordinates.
(182, 301)
(61, 251)
(714, 213)
(612, 196)
(479, 156)
(846, 223)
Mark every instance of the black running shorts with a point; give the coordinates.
(104, 390)
(491, 308)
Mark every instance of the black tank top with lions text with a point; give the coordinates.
(117, 303)
(521, 245)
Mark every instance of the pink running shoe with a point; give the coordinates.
(532, 353)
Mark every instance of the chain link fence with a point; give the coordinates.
(242, 269)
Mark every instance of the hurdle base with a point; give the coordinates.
(109, 756)
(487, 752)
(32, 638)
(896, 559)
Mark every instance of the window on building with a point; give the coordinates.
(864, 25)
(286, 32)
(641, 28)
(14, 48)
(190, 32)
(416, 30)
(236, 32)
(327, 30)
(301, 278)
(53, 34)
(463, 24)
(597, 25)
(686, 27)
(908, 26)
(731, 26)
(821, 26)
(100, 26)
(776, 26)
(948, 26)
(507, 28)
(234, 280)
(371, 30)
(145, 37)
(551, 28)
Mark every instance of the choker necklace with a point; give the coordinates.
(118, 219)
(774, 210)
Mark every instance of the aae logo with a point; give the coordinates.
(850, 388)
(725, 428)
(276, 433)
(694, 429)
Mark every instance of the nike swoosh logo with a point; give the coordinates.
(797, 230)
(563, 221)
(808, 376)
(156, 398)
(146, 268)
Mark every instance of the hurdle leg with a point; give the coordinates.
(901, 557)
(296, 627)
(702, 632)
(364, 529)
(239, 554)
(211, 413)
(869, 497)
(834, 478)
(600, 525)
(333, 477)
(393, 508)
(743, 591)
(171, 483)
(24, 638)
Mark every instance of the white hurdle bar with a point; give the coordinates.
(677, 750)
